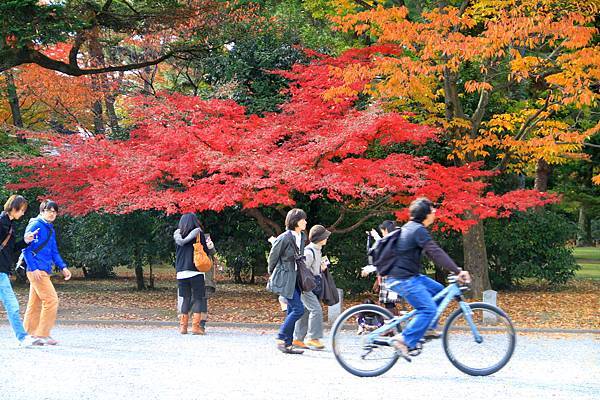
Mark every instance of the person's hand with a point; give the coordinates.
(464, 277)
(66, 273)
(37, 275)
(375, 234)
(30, 236)
(365, 271)
(323, 266)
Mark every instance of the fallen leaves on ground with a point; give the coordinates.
(575, 306)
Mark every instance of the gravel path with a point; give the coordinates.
(124, 363)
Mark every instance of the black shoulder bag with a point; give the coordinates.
(304, 277)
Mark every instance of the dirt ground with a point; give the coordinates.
(574, 306)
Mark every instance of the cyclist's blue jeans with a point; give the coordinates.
(295, 311)
(418, 291)
(11, 305)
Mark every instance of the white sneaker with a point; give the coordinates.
(29, 341)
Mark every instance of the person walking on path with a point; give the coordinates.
(14, 208)
(190, 282)
(282, 263)
(311, 323)
(39, 256)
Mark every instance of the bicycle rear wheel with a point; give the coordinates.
(484, 355)
(354, 351)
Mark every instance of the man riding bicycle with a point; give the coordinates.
(406, 279)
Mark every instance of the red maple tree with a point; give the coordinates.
(188, 154)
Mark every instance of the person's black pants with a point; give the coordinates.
(193, 294)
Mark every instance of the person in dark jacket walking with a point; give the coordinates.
(14, 209)
(190, 282)
(406, 278)
(39, 256)
(283, 256)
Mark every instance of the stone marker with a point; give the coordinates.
(489, 297)
(335, 310)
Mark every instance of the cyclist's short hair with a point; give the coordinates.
(15, 203)
(419, 209)
(292, 218)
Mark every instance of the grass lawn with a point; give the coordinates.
(589, 259)
(587, 253)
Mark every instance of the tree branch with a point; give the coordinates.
(20, 56)
(270, 227)
(358, 223)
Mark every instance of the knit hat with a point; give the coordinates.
(318, 233)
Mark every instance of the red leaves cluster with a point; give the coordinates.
(188, 154)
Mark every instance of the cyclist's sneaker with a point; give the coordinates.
(432, 334)
(299, 344)
(315, 344)
(400, 346)
(415, 351)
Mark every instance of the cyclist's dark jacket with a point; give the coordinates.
(415, 239)
(7, 254)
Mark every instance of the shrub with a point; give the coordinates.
(530, 245)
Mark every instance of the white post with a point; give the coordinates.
(335, 310)
(489, 297)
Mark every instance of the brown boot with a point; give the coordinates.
(196, 329)
(183, 323)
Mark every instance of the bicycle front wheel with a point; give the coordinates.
(352, 347)
(482, 344)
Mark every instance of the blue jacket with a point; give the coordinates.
(46, 256)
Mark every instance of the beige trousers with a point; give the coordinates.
(42, 306)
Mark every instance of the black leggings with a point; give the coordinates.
(193, 294)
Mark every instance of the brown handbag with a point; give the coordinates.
(202, 261)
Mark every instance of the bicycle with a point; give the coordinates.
(471, 333)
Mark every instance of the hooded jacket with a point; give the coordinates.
(46, 257)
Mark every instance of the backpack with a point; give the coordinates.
(383, 254)
(202, 261)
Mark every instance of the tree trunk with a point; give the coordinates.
(542, 174)
(13, 99)
(476, 261)
(584, 236)
(151, 277)
(99, 126)
(475, 254)
(113, 120)
(139, 269)
(147, 86)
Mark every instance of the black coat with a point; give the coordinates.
(8, 253)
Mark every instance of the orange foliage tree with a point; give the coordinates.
(507, 80)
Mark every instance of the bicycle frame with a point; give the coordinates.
(449, 293)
